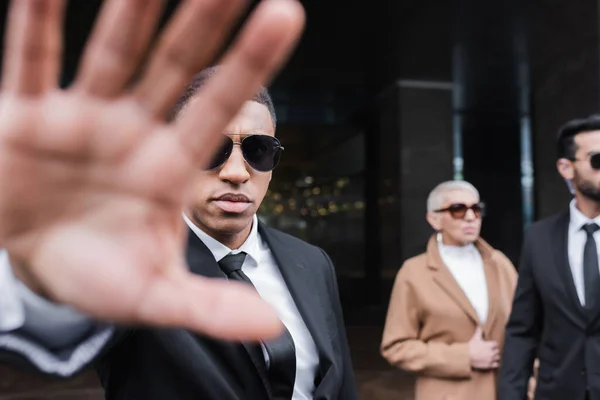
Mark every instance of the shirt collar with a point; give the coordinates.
(577, 219)
(219, 250)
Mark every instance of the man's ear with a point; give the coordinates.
(434, 221)
(565, 168)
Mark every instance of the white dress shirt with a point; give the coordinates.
(261, 268)
(466, 265)
(576, 244)
(12, 312)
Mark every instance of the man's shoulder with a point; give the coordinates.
(545, 231)
(291, 241)
(546, 223)
(299, 249)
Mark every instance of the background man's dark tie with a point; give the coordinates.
(281, 351)
(591, 273)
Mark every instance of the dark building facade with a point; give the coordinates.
(382, 101)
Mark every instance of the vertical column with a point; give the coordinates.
(409, 133)
(415, 154)
(565, 85)
(491, 101)
(426, 155)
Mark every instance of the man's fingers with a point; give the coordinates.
(263, 46)
(214, 307)
(33, 46)
(188, 43)
(123, 279)
(120, 37)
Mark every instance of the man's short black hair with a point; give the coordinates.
(262, 97)
(566, 135)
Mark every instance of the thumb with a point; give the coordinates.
(478, 334)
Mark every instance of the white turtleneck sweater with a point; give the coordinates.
(466, 265)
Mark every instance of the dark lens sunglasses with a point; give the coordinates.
(594, 160)
(261, 152)
(459, 210)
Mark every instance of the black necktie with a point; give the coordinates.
(281, 351)
(591, 273)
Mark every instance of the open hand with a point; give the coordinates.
(93, 179)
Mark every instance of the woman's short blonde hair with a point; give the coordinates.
(436, 198)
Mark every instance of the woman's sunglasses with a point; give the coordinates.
(261, 152)
(459, 210)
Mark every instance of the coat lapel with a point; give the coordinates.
(444, 278)
(560, 245)
(492, 281)
(594, 316)
(200, 259)
(299, 278)
(202, 262)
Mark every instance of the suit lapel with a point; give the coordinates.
(299, 278)
(594, 314)
(560, 241)
(448, 283)
(492, 280)
(444, 278)
(202, 262)
(200, 259)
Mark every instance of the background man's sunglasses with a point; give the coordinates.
(261, 152)
(594, 160)
(459, 210)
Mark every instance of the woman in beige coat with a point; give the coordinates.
(449, 305)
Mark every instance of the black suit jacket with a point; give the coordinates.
(548, 321)
(174, 364)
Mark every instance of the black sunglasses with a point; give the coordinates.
(261, 152)
(459, 210)
(594, 160)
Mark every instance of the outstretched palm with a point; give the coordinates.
(93, 179)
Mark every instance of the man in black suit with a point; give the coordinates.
(114, 179)
(297, 279)
(556, 309)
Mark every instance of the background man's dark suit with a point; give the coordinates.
(548, 320)
(159, 364)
